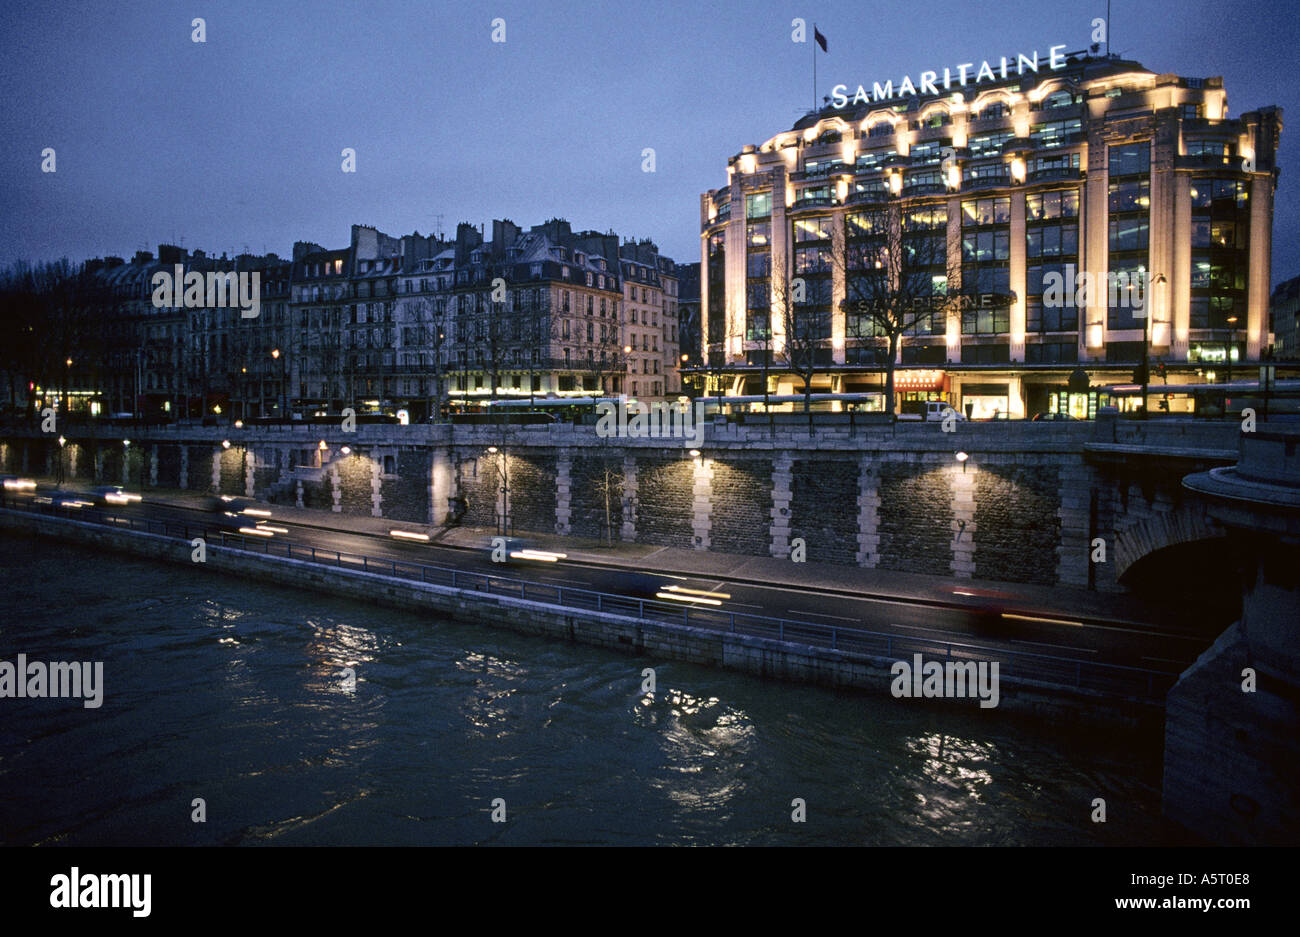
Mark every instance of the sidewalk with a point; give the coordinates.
(813, 577)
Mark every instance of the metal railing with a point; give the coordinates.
(1107, 679)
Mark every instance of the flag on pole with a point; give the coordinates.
(821, 40)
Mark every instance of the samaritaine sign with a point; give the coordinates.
(959, 76)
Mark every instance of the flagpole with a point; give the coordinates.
(814, 45)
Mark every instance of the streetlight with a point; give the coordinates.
(962, 457)
(1157, 280)
(500, 466)
(62, 442)
(284, 388)
(1227, 349)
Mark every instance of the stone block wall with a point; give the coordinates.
(1016, 521)
(741, 507)
(916, 516)
(665, 500)
(823, 507)
(586, 496)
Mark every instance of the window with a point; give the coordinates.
(758, 205)
(1044, 206)
(873, 159)
(986, 211)
(812, 260)
(1128, 234)
(1063, 165)
(758, 264)
(1130, 159)
(812, 229)
(1052, 353)
(867, 223)
(986, 245)
(926, 153)
(989, 144)
(985, 354)
(927, 218)
(1055, 133)
(758, 234)
(1052, 240)
(1133, 195)
(1060, 99)
(880, 129)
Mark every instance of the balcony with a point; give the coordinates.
(928, 188)
(820, 201)
(987, 182)
(867, 197)
(1207, 161)
(1060, 172)
(720, 219)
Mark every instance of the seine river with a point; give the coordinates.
(236, 694)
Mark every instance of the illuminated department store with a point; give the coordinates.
(1027, 171)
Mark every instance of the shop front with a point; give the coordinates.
(986, 401)
(913, 387)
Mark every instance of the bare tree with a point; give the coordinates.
(896, 273)
(801, 305)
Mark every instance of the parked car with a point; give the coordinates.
(1046, 417)
(934, 411)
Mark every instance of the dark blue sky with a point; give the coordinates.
(237, 142)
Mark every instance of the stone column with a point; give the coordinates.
(336, 489)
(1017, 280)
(298, 497)
(1094, 241)
(868, 514)
(629, 497)
(441, 485)
(702, 505)
(185, 466)
(1074, 552)
(782, 475)
(1179, 288)
(376, 488)
(153, 466)
(250, 462)
(963, 519)
(216, 469)
(563, 494)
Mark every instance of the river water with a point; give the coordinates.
(235, 693)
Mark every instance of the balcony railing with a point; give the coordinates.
(1059, 172)
(987, 182)
(818, 201)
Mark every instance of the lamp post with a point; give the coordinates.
(284, 388)
(1157, 280)
(59, 475)
(500, 466)
(1227, 349)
